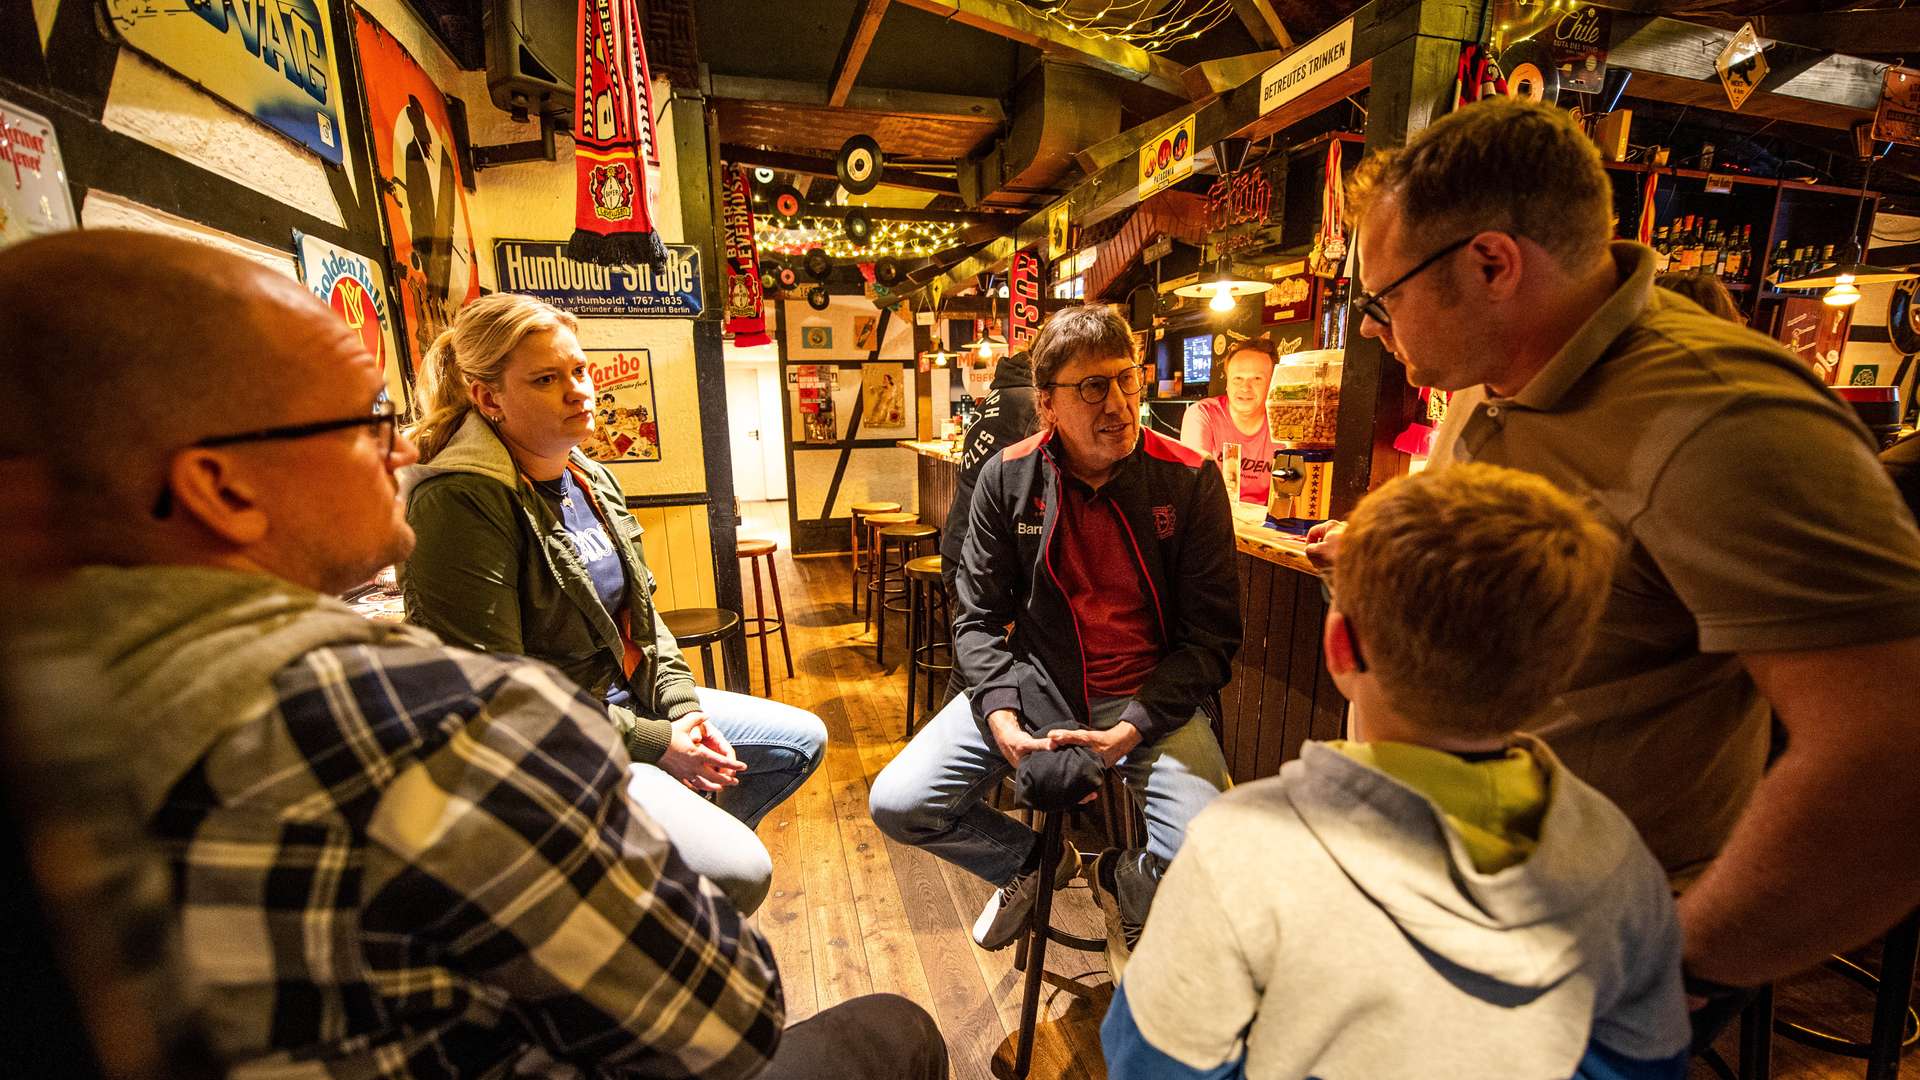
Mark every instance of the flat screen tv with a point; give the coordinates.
(1196, 364)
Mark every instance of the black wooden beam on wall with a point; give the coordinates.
(696, 148)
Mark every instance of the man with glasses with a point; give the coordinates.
(1098, 613)
(388, 857)
(1768, 569)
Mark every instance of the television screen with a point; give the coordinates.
(1196, 368)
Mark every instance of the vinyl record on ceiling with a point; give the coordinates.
(769, 281)
(788, 279)
(817, 298)
(1531, 73)
(817, 264)
(886, 272)
(859, 164)
(1902, 327)
(786, 203)
(859, 227)
(763, 175)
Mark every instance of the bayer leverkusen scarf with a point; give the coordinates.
(746, 320)
(613, 140)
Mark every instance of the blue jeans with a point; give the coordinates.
(781, 746)
(932, 795)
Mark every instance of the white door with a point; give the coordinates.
(743, 431)
(773, 437)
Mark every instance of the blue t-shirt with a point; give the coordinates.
(590, 542)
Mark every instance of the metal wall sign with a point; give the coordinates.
(1167, 160)
(1742, 65)
(1308, 66)
(1898, 117)
(540, 268)
(275, 60)
(34, 196)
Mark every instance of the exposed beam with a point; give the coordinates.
(1685, 51)
(805, 165)
(1263, 24)
(901, 213)
(1013, 21)
(863, 99)
(854, 53)
(1896, 31)
(1222, 75)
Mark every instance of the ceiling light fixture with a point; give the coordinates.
(1842, 279)
(1225, 290)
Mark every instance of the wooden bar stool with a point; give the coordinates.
(871, 524)
(926, 632)
(859, 511)
(901, 541)
(701, 626)
(753, 551)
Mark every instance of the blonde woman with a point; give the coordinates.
(525, 546)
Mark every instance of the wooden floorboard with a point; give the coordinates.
(851, 911)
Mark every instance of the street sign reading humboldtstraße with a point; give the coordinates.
(540, 268)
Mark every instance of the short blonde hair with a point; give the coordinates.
(1474, 591)
(475, 349)
(1500, 164)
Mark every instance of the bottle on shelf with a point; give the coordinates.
(1826, 255)
(1777, 269)
(1714, 250)
(1662, 250)
(1684, 256)
(1698, 244)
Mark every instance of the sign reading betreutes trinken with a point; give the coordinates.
(1308, 66)
(542, 269)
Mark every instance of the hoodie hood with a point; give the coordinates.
(180, 657)
(475, 448)
(1513, 925)
(1013, 371)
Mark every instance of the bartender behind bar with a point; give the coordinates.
(1239, 417)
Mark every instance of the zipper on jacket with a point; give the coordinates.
(1141, 561)
(1046, 556)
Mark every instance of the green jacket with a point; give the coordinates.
(494, 570)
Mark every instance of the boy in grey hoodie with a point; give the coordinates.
(1439, 897)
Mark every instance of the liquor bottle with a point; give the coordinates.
(1826, 255)
(1712, 248)
(1777, 270)
(1684, 257)
(1800, 257)
(1662, 250)
(1697, 245)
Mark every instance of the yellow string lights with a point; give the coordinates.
(1151, 25)
(889, 238)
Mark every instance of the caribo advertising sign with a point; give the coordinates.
(541, 268)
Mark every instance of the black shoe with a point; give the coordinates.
(1123, 933)
(1005, 916)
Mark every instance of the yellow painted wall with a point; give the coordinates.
(679, 548)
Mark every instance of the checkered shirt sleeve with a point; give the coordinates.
(425, 863)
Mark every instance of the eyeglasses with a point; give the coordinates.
(1094, 388)
(1369, 303)
(385, 416)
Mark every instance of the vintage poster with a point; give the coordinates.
(865, 333)
(1167, 160)
(542, 268)
(429, 232)
(353, 286)
(813, 393)
(626, 425)
(1815, 332)
(273, 59)
(816, 338)
(37, 199)
(884, 397)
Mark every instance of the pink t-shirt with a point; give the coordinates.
(1216, 427)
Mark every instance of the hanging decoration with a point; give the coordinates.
(1149, 27)
(746, 317)
(1330, 246)
(1023, 307)
(613, 140)
(885, 237)
(1647, 207)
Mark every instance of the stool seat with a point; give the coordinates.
(907, 532)
(925, 568)
(700, 625)
(747, 549)
(890, 518)
(875, 508)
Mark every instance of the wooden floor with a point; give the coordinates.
(853, 912)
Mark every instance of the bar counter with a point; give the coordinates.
(1279, 695)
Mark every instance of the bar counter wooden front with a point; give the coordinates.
(1279, 695)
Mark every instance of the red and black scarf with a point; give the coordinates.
(613, 140)
(746, 319)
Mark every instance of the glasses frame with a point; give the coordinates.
(1369, 305)
(385, 412)
(1346, 624)
(1105, 384)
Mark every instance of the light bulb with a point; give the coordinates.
(1222, 298)
(1842, 294)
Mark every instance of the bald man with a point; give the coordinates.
(390, 856)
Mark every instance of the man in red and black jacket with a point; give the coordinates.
(1109, 553)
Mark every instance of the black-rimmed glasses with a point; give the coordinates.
(385, 415)
(1095, 388)
(1369, 303)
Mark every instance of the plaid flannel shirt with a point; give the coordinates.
(423, 863)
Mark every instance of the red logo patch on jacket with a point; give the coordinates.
(1040, 504)
(1163, 522)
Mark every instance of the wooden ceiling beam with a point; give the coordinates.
(1684, 51)
(862, 99)
(860, 35)
(1856, 32)
(1015, 22)
(1267, 30)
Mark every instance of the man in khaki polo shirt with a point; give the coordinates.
(1768, 566)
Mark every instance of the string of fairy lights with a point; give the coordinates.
(889, 238)
(1150, 25)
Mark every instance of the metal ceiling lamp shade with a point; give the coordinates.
(1843, 279)
(989, 341)
(1224, 290)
